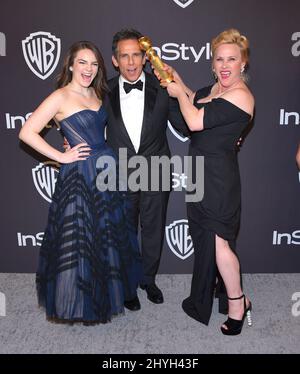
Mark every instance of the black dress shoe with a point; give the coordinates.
(154, 294)
(133, 304)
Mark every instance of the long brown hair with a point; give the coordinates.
(99, 83)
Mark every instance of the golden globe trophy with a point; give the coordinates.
(146, 45)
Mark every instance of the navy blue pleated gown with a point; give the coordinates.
(89, 260)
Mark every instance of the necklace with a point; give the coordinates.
(229, 89)
(211, 97)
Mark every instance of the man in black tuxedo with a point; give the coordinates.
(138, 111)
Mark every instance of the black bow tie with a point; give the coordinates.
(128, 87)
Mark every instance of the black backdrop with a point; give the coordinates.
(269, 239)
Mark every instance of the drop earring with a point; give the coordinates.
(243, 72)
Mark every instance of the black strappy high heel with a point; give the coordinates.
(234, 326)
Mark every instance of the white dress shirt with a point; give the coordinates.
(132, 110)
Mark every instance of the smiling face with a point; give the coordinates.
(84, 68)
(228, 64)
(129, 59)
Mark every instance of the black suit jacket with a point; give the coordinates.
(158, 109)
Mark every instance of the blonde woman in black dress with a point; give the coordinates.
(217, 116)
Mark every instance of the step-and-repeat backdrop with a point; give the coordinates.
(34, 36)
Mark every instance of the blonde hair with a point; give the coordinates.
(232, 36)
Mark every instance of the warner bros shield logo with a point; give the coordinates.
(44, 177)
(41, 51)
(183, 3)
(179, 240)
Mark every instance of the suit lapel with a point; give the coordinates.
(150, 99)
(115, 102)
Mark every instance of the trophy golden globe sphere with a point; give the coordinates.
(146, 45)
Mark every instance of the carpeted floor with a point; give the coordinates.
(155, 328)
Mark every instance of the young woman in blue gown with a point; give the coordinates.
(89, 260)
